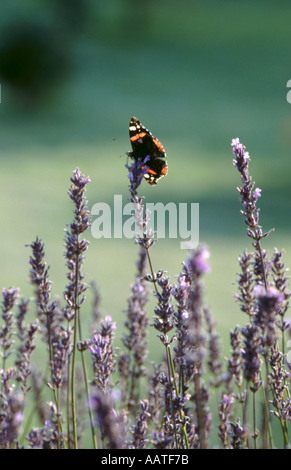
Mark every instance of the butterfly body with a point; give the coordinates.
(145, 144)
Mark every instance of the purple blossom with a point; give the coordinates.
(10, 297)
(39, 275)
(288, 326)
(164, 320)
(109, 323)
(75, 248)
(281, 396)
(136, 172)
(100, 348)
(11, 416)
(198, 261)
(235, 362)
(249, 194)
(250, 355)
(109, 422)
(242, 157)
(225, 411)
(269, 299)
(139, 439)
(269, 303)
(256, 194)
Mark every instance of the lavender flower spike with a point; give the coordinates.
(249, 195)
(269, 303)
(136, 172)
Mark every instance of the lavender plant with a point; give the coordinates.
(264, 300)
(127, 401)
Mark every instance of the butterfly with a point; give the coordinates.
(145, 144)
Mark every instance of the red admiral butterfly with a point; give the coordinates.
(145, 144)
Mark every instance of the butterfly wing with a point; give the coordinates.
(145, 144)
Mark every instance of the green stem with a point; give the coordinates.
(87, 390)
(59, 420)
(262, 261)
(168, 356)
(68, 405)
(152, 271)
(255, 435)
(76, 322)
(74, 419)
(267, 417)
(245, 406)
(182, 414)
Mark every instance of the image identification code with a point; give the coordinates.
(159, 459)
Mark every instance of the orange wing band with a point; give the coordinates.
(137, 136)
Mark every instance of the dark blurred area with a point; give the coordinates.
(38, 42)
(32, 61)
(36, 45)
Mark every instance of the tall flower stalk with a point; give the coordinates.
(9, 300)
(249, 197)
(260, 297)
(74, 293)
(46, 313)
(145, 238)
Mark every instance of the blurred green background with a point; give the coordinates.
(197, 74)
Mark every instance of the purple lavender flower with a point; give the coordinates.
(75, 248)
(10, 297)
(251, 355)
(193, 339)
(269, 302)
(61, 345)
(242, 157)
(281, 396)
(136, 172)
(281, 283)
(225, 413)
(164, 320)
(101, 351)
(198, 261)
(109, 422)
(238, 435)
(181, 294)
(246, 284)
(235, 362)
(249, 194)
(40, 279)
(11, 418)
(44, 438)
(108, 326)
(25, 349)
(139, 438)
(196, 268)
(162, 439)
(288, 326)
